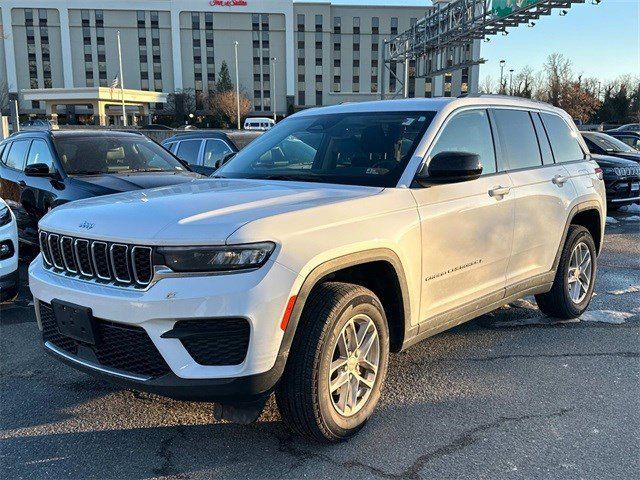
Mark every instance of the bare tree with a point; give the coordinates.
(225, 103)
(558, 71)
(524, 83)
(488, 85)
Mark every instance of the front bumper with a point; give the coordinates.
(623, 191)
(258, 296)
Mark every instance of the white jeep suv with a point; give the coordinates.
(342, 234)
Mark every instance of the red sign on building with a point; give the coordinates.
(228, 3)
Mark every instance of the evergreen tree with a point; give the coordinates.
(224, 83)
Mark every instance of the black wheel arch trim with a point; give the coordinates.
(335, 265)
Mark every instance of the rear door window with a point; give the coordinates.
(518, 138)
(17, 153)
(564, 141)
(469, 131)
(188, 151)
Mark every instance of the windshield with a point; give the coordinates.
(370, 149)
(609, 143)
(93, 155)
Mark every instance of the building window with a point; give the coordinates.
(356, 25)
(300, 22)
(394, 25)
(337, 25)
(319, 23)
(375, 25)
(428, 87)
(261, 62)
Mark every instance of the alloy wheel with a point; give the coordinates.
(580, 270)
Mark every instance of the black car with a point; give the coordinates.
(630, 138)
(42, 169)
(204, 151)
(605, 144)
(622, 180)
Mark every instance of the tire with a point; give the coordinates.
(558, 301)
(303, 393)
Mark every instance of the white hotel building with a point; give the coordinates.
(325, 53)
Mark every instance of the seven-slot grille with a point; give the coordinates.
(115, 263)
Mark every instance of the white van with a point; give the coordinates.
(259, 123)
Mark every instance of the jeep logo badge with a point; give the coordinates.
(87, 225)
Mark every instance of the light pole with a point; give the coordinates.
(237, 86)
(124, 110)
(273, 87)
(502, 62)
(511, 81)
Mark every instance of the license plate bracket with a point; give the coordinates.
(75, 321)
(635, 186)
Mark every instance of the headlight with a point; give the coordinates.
(216, 259)
(5, 216)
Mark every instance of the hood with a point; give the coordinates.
(635, 157)
(200, 212)
(612, 162)
(107, 183)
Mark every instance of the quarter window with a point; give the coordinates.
(40, 153)
(17, 152)
(188, 151)
(518, 138)
(564, 141)
(470, 132)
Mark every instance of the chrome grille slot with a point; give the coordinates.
(54, 247)
(120, 262)
(44, 248)
(100, 255)
(66, 247)
(84, 257)
(103, 262)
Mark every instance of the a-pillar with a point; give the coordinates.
(99, 114)
(51, 110)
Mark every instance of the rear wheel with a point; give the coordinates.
(575, 278)
(337, 363)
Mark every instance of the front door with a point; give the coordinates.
(467, 228)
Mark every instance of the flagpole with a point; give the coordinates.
(124, 111)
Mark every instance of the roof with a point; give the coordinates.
(74, 133)
(430, 104)
(196, 134)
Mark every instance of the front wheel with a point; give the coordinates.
(575, 278)
(337, 364)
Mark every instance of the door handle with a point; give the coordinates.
(559, 180)
(499, 191)
(22, 183)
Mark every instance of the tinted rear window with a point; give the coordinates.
(188, 150)
(564, 141)
(518, 138)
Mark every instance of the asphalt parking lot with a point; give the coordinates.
(509, 395)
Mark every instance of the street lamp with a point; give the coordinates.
(511, 81)
(273, 87)
(237, 86)
(502, 62)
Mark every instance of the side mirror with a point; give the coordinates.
(225, 159)
(451, 167)
(38, 170)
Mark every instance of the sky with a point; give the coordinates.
(602, 40)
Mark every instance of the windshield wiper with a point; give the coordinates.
(292, 178)
(143, 170)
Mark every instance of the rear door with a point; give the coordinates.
(541, 192)
(467, 227)
(189, 151)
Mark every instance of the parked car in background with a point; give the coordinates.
(155, 126)
(621, 179)
(605, 144)
(630, 127)
(344, 234)
(37, 124)
(259, 123)
(40, 170)
(630, 138)
(8, 253)
(204, 151)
